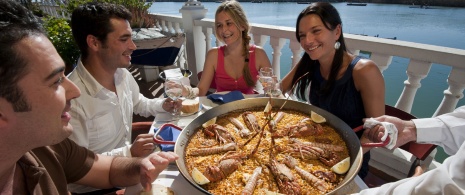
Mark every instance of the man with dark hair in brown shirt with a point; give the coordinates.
(36, 157)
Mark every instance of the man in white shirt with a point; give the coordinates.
(448, 131)
(102, 116)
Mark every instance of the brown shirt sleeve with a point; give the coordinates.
(75, 160)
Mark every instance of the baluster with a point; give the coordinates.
(259, 40)
(208, 38)
(217, 42)
(454, 93)
(296, 52)
(416, 71)
(157, 24)
(382, 60)
(164, 28)
(55, 11)
(177, 28)
(170, 27)
(277, 44)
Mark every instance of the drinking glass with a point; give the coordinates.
(173, 90)
(266, 79)
(276, 90)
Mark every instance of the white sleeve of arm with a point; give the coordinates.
(123, 151)
(447, 130)
(148, 107)
(448, 178)
(142, 105)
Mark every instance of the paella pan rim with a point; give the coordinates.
(347, 134)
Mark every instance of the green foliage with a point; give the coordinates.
(138, 8)
(59, 33)
(59, 30)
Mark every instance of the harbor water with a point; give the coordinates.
(442, 26)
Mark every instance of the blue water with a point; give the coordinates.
(442, 26)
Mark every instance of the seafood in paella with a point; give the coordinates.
(257, 151)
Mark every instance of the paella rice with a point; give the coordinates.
(235, 182)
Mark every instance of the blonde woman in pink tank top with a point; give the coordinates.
(235, 65)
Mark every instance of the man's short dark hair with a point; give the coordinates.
(16, 23)
(94, 19)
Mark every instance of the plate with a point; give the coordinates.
(207, 104)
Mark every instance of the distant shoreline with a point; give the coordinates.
(442, 3)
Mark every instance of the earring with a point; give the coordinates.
(337, 45)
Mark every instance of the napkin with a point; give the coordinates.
(389, 130)
(173, 73)
(168, 134)
(176, 73)
(225, 98)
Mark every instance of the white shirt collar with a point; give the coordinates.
(92, 85)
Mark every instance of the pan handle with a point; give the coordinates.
(379, 144)
(162, 128)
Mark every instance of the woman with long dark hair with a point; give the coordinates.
(348, 86)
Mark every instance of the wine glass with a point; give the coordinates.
(173, 90)
(276, 90)
(266, 79)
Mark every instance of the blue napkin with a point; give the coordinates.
(168, 134)
(225, 98)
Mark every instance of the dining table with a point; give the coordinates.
(172, 178)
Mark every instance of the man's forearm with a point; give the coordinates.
(125, 171)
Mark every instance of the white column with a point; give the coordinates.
(454, 93)
(259, 39)
(177, 28)
(382, 60)
(164, 27)
(208, 38)
(277, 44)
(296, 52)
(416, 71)
(193, 10)
(170, 27)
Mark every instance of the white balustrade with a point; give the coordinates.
(382, 51)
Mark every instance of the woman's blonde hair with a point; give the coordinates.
(235, 11)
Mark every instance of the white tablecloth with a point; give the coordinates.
(171, 177)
